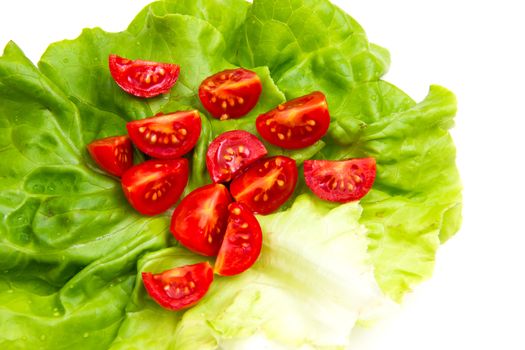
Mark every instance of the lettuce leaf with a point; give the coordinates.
(72, 249)
(310, 293)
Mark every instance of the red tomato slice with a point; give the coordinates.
(231, 152)
(143, 78)
(266, 185)
(242, 242)
(200, 219)
(340, 181)
(166, 136)
(181, 287)
(231, 93)
(297, 123)
(154, 186)
(113, 154)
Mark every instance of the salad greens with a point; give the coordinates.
(72, 249)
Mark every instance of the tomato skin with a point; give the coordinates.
(231, 93)
(180, 287)
(166, 136)
(113, 154)
(340, 181)
(143, 78)
(297, 123)
(231, 152)
(154, 186)
(265, 185)
(200, 219)
(242, 242)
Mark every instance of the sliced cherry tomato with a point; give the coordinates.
(154, 186)
(113, 154)
(266, 185)
(242, 242)
(231, 152)
(166, 136)
(143, 78)
(340, 181)
(231, 93)
(200, 219)
(181, 287)
(297, 123)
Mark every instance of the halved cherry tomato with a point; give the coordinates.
(143, 78)
(166, 136)
(200, 219)
(340, 181)
(232, 151)
(113, 154)
(155, 185)
(180, 287)
(297, 123)
(242, 242)
(266, 185)
(231, 93)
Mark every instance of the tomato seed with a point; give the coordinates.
(236, 211)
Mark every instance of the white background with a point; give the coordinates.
(475, 299)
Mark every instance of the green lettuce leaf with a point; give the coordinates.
(72, 249)
(69, 242)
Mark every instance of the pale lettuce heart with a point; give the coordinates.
(312, 283)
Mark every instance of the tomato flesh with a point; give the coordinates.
(200, 219)
(340, 181)
(143, 78)
(242, 242)
(166, 136)
(266, 184)
(154, 186)
(231, 93)
(113, 154)
(181, 287)
(231, 152)
(297, 123)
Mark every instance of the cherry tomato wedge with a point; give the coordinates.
(266, 185)
(113, 154)
(242, 242)
(143, 78)
(231, 152)
(200, 219)
(166, 136)
(231, 93)
(297, 123)
(181, 287)
(155, 185)
(340, 181)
